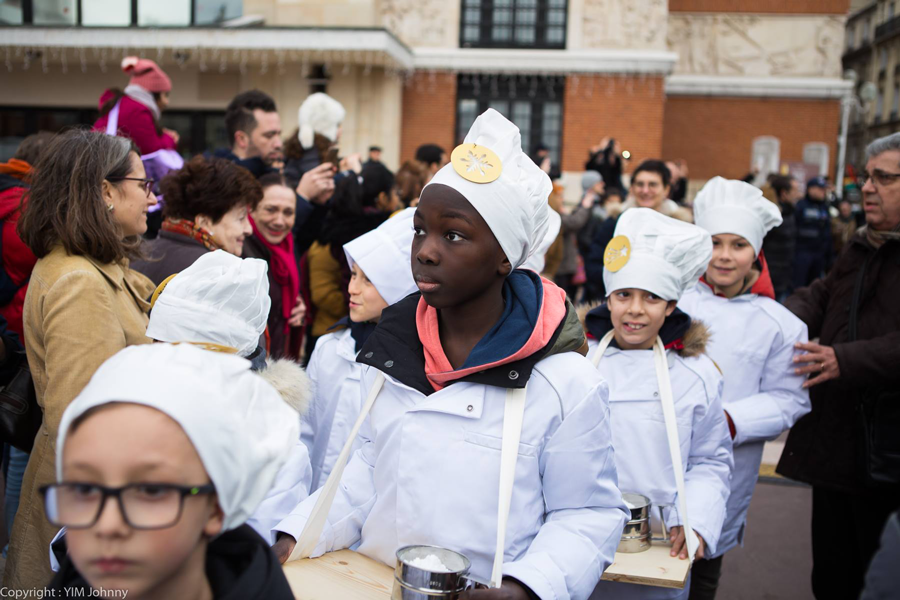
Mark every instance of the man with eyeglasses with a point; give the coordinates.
(848, 447)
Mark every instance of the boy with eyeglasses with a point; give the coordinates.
(160, 461)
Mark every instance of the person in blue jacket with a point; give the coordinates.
(814, 249)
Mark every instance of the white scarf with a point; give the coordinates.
(139, 94)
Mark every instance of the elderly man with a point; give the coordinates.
(848, 447)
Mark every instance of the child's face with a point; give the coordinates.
(366, 303)
(637, 317)
(455, 256)
(122, 444)
(733, 257)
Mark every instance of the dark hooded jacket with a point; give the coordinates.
(854, 425)
(396, 341)
(239, 565)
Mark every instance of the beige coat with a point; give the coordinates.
(77, 314)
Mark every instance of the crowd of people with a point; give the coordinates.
(465, 335)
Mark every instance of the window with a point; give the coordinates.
(850, 31)
(765, 156)
(513, 24)
(879, 105)
(119, 13)
(534, 104)
(895, 102)
(891, 10)
(882, 59)
(865, 31)
(199, 130)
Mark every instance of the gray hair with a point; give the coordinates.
(882, 145)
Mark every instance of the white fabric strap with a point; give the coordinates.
(112, 123)
(661, 364)
(513, 416)
(316, 523)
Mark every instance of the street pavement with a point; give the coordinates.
(775, 562)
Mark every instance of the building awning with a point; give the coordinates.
(363, 46)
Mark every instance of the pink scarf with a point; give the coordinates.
(284, 271)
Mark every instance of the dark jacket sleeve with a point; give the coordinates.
(809, 304)
(308, 231)
(593, 266)
(573, 222)
(872, 361)
(883, 578)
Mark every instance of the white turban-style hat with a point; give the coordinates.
(240, 426)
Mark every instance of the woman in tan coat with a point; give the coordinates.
(86, 211)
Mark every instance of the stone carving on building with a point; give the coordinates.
(638, 24)
(758, 46)
(421, 22)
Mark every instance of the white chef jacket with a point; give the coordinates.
(429, 468)
(752, 342)
(291, 487)
(643, 462)
(335, 405)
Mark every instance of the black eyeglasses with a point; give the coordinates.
(148, 183)
(78, 505)
(882, 178)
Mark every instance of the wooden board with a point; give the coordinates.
(345, 574)
(651, 567)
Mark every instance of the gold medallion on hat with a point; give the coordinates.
(476, 163)
(617, 253)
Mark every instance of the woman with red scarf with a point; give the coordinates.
(273, 242)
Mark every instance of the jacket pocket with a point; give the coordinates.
(495, 443)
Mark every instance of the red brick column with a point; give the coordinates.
(429, 112)
(629, 109)
(715, 135)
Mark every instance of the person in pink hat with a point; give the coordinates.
(135, 112)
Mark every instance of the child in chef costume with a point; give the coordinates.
(647, 266)
(483, 364)
(380, 276)
(753, 341)
(221, 303)
(161, 459)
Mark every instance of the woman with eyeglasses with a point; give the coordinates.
(154, 503)
(86, 211)
(208, 203)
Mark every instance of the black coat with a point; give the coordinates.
(779, 247)
(829, 446)
(280, 345)
(168, 254)
(239, 565)
(310, 217)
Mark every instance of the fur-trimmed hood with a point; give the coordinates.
(689, 337)
(291, 381)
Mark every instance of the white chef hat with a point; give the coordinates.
(656, 253)
(220, 299)
(322, 114)
(538, 259)
(736, 207)
(384, 256)
(514, 203)
(241, 428)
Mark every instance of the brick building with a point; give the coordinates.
(708, 81)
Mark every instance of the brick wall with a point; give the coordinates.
(429, 113)
(830, 7)
(629, 109)
(715, 135)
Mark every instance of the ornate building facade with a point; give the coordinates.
(727, 88)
